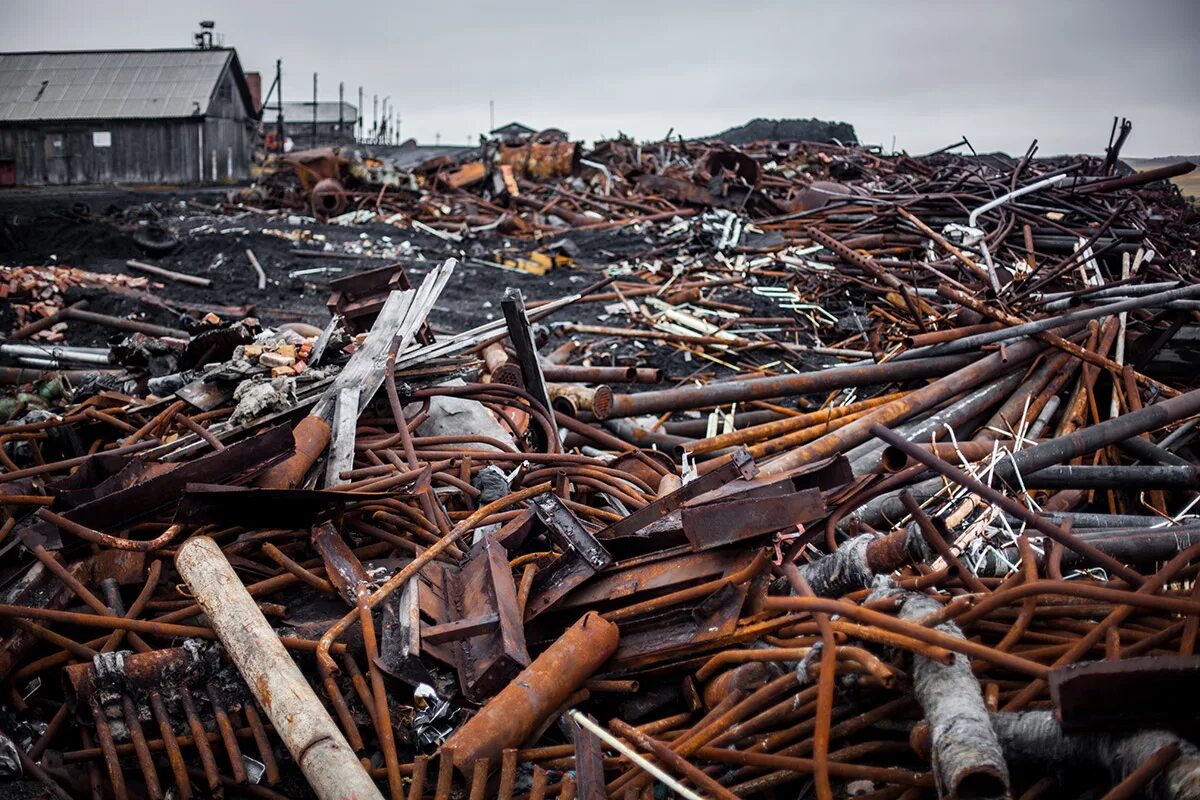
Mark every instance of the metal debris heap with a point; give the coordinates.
(917, 520)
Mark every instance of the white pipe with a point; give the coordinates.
(999, 201)
(633, 755)
(1002, 199)
(596, 165)
(311, 736)
(80, 355)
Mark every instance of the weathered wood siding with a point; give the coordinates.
(202, 149)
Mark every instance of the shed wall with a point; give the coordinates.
(127, 151)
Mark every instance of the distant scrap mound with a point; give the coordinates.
(788, 130)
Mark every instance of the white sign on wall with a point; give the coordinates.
(101, 139)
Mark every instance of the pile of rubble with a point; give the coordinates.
(873, 476)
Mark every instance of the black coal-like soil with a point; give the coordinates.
(53, 228)
(47, 230)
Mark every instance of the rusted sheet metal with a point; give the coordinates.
(728, 521)
(256, 506)
(1132, 693)
(589, 764)
(625, 581)
(33, 587)
(676, 631)
(358, 297)
(520, 707)
(99, 475)
(681, 190)
(738, 465)
(342, 567)
(316, 165)
(583, 556)
(490, 658)
(469, 173)
(733, 162)
(237, 462)
(400, 642)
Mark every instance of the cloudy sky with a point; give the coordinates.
(923, 72)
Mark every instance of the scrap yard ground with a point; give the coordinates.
(682, 468)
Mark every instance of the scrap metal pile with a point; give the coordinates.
(910, 513)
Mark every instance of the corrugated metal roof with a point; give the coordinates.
(131, 84)
(327, 112)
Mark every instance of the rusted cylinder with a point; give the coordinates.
(311, 736)
(509, 718)
(141, 672)
(494, 356)
(571, 398)
(894, 460)
(575, 373)
(949, 335)
(509, 374)
(697, 428)
(121, 324)
(311, 437)
(724, 393)
(328, 198)
(1110, 476)
(1138, 178)
(1092, 438)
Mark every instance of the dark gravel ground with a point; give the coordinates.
(55, 228)
(46, 230)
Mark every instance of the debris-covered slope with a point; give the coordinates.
(558, 472)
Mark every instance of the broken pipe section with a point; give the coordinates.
(312, 738)
(312, 436)
(511, 717)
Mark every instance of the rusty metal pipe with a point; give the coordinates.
(771, 430)
(1092, 438)
(1105, 476)
(579, 374)
(519, 708)
(726, 392)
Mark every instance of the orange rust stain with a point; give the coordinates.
(264, 692)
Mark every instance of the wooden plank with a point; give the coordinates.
(341, 445)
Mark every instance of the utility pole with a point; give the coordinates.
(314, 125)
(279, 102)
(361, 115)
(491, 115)
(375, 119)
(341, 113)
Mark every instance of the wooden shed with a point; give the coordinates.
(124, 116)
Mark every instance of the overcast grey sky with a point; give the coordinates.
(925, 71)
